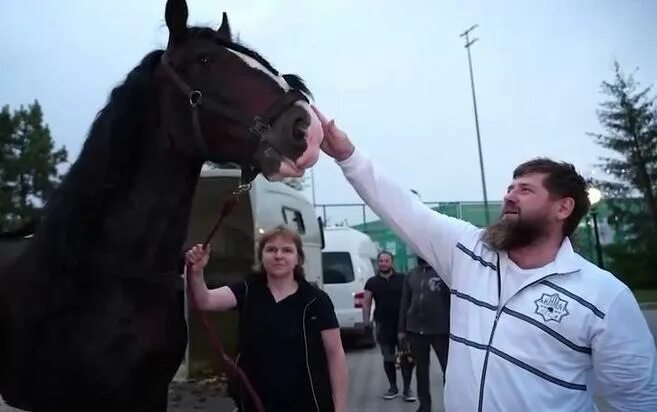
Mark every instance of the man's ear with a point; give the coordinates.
(565, 208)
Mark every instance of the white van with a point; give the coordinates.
(266, 205)
(348, 262)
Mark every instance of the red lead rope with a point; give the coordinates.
(215, 342)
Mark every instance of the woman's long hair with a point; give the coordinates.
(286, 233)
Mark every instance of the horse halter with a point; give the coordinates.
(258, 127)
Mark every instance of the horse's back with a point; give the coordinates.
(12, 246)
(10, 250)
(13, 264)
(102, 341)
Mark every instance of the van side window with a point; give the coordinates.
(337, 267)
(294, 217)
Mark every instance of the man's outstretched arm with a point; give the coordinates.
(431, 234)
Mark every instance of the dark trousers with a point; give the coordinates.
(386, 336)
(421, 348)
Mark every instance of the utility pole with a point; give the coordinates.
(469, 43)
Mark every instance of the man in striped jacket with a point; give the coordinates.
(534, 326)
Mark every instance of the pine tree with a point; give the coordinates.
(629, 119)
(6, 157)
(29, 167)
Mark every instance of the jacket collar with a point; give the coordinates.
(566, 261)
(308, 291)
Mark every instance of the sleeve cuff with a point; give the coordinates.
(354, 159)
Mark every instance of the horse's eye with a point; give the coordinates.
(203, 59)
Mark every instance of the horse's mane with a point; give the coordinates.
(118, 136)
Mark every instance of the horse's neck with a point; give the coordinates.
(147, 225)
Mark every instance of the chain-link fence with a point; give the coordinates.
(359, 216)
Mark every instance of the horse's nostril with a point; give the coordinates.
(299, 132)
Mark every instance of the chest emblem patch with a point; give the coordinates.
(551, 307)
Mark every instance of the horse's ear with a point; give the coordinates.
(224, 29)
(176, 17)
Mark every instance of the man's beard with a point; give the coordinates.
(509, 234)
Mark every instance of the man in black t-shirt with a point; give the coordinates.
(386, 290)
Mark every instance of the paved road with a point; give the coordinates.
(367, 384)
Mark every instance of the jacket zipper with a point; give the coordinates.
(500, 307)
(490, 339)
(305, 343)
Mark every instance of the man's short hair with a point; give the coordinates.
(385, 252)
(561, 180)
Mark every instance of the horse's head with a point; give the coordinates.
(225, 103)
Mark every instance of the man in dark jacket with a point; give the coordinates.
(424, 322)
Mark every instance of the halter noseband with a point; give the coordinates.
(258, 127)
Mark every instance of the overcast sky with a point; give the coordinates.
(394, 74)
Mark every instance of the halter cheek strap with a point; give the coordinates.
(258, 127)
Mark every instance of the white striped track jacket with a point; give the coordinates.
(562, 338)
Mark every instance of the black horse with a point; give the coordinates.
(91, 311)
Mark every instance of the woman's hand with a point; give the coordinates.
(197, 258)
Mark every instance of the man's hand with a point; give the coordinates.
(336, 143)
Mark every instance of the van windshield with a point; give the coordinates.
(337, 267)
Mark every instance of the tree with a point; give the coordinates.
(28, 165)
(6, 131)
(629, 118)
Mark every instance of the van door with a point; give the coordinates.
(339, 278)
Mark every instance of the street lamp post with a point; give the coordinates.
(589, 234)
(594, 198)
(469, 43)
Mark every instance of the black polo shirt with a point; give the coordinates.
(386, 293)
(278, 346)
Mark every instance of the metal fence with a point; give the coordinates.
(359, 214)
(361, 217)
